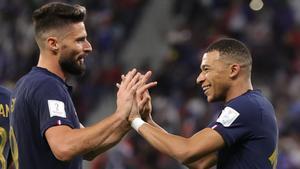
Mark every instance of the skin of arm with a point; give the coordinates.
(111, 141)
(66, 143)
(185, 150)
(196, 152)
(204, 163)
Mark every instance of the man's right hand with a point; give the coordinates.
(126, 92)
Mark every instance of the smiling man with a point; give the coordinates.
(245, 134)
(45, 131)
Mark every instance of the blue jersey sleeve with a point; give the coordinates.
(51, 104)
(235, 122)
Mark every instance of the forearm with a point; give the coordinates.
(66, 143)
(185, 150)
(111, 141)
(172, 145)
(151, 122)
(95, 136)
(204, 163)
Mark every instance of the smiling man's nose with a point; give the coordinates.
(200, 79)
(87, 47)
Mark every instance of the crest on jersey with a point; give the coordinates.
(228, 116)
(57, 108)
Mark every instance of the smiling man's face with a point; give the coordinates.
(74, 49)
(214, 76)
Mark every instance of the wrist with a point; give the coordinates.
(119, 115)
(137, 123)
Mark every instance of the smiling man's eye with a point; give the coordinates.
(205, 69)
(80, 39)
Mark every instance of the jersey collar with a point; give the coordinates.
(44, 70)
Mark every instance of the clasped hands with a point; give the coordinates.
(133, 98)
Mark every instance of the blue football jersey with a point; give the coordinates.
(4, 127)
(40, 101)
(249, 129)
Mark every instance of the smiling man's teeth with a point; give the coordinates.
(205, 87)
(81, 60)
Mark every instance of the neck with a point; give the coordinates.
(239, 88)
(50, 62)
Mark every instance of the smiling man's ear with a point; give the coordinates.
(234, 70)
(52, 44)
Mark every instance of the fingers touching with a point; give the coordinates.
(127, 81)
(136, 81)
(133, 92)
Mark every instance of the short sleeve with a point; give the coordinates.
(231, 125)
(50, 105)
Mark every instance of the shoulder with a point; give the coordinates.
(32, 81)
(251, 105)
(48, 86)
(40, 78)
(39, 84)
(250, 101)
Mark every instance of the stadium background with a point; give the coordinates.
(168, 37)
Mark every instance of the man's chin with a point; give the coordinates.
(210, 99)
(75, 71)
(80, 72)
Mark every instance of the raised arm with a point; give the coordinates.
(111, 141)
(204, 163)
(196, 151)
(66, 143)
(185, 150)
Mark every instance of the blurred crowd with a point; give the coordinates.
(179, 105)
